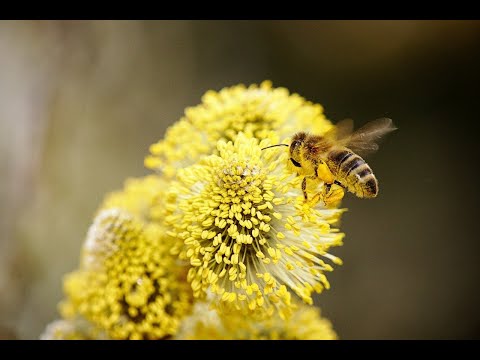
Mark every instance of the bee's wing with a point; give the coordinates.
(342, 130)
(365, 140)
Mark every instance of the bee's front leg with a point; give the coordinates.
(304, 188)
(313, 183)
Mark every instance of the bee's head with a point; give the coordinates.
(297, 141)
(296, 145)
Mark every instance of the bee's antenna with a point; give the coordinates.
(274, 146)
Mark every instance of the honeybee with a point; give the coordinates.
(335, 160)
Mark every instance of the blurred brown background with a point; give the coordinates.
(80, 102)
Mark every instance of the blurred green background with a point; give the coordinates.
(81, 101)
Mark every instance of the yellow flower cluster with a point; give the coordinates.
(142, 197)
(306, 323)
(254, 110)
(246, 231)
(128, 284)
(222, 222)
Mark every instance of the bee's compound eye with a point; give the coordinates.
(295, 144)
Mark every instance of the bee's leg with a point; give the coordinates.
(327, 188)
(329, 195)
(316, 199)
(333, 195)
(313, 182)
(324, 174)
(304, 188)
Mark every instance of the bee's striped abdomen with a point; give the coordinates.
(354, 173)
(337, 158)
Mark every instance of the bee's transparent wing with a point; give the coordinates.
(365, 140)
(342, 130)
